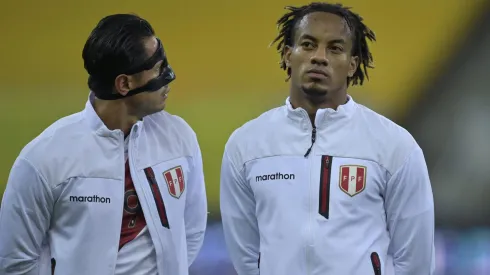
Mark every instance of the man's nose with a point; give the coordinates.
(320, 57)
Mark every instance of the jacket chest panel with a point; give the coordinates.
(88, 200)
(280, 186)
(330, 187)
(165, 186)
(355, 188)
(87, 215)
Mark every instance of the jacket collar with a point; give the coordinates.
(323, 116)
(96, 124)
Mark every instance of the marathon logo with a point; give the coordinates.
(276, 176)
(91, 199)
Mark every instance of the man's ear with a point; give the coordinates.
(354, 64)
(287, 56)
(122, 85)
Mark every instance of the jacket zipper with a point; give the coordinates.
(324, 192)
(313, 139)
(53, 265)
(145, 199)
(258, 262)
(308, 152)
(122, 141)
(157, 196)
(376, 263)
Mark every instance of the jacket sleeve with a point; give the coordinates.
(196, 209)
(25, 216)
(239, 221)
(410, 216)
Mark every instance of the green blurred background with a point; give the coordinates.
(430, 71)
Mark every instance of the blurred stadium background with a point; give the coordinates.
(432, 68)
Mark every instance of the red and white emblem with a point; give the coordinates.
(175, 181)
(352, 179)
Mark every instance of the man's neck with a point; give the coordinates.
(114, 114)
(312, 105)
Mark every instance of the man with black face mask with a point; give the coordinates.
(117, 188)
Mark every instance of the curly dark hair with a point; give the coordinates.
(361, 33)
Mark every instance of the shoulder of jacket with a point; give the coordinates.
(166, 121)
(250, 128)
(57, 142)
(62, 129)
(243, 137)
(168, 126)
(395, 142)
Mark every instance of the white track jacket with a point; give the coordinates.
(64, 197)
(350, 195)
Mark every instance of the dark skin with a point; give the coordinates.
(124, 113)
(320, 61)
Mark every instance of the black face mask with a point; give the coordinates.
(166, 76)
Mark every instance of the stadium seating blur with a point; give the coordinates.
(431, 77)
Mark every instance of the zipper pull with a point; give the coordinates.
(313, 138)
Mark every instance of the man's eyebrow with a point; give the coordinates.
(312, 38)
(338, 41)
(307, 36)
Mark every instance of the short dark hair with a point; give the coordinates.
(287, 25)
(114, 46)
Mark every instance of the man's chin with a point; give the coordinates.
(315, 90)
(162, 107)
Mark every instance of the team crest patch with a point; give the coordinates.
(174, 178)
(352, 179)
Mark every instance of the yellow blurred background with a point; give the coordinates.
(226, 73)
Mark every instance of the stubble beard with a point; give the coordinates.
(314, 94)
